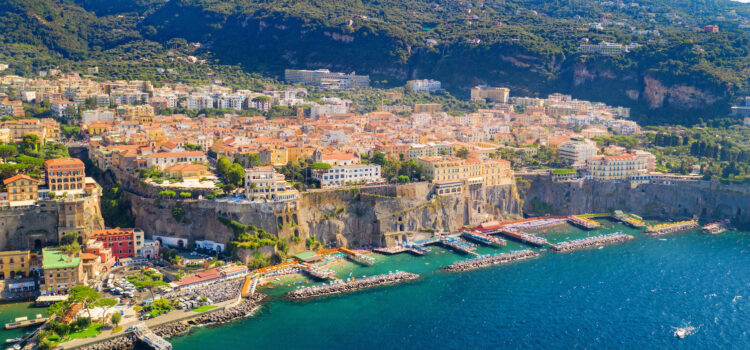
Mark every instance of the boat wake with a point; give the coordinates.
(682, 332)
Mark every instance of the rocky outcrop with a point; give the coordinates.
(708, 200)
(681, 96)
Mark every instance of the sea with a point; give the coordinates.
(629, 295)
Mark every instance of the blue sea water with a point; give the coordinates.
(629, 295)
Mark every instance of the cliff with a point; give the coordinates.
(708, 200)
(339, 217)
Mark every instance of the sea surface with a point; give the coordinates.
(629, 295)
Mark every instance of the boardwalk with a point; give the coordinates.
(145, 335)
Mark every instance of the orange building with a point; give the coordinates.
(65, 174)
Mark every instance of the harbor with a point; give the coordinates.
(490, 260)
(589, 242)
(352, 285)
(669, 228)
(483, 239)
(583, 222)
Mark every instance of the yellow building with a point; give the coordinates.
(22, 190)
(127, 112)
(277, 156)
(497, 172)
(5, 136)
(492, 94)
(61, 271)
(449, 168)
(427, 108)
(14, 263)
(188, 171)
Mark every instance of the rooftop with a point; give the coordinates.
(56, 259)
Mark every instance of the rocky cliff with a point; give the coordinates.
(665, 201)
(339, 217)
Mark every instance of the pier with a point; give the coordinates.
(147, 336)
(490, 260)
(350, 286)
(456, 244)
(357, 257)
(665, 229)
(319, 273)
(631, 220)
(26, 323)
(481, 238)
(398, 250)
(523, 237)
(589, 242)
(583, 222)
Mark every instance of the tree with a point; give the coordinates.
(30, 142)
(116, 318)
(69, 238)
(462, 153)
(106, 304)
(84, 295)
(178, 213)
(235, 174)
(320, 166)
(59, 308)
(222, 165)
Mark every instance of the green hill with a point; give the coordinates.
(531, 46)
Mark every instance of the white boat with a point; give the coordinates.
(680, 333)
(13, 340)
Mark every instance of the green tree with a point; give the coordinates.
(462, 153)
(116, 318)
(84, 295)
(235, 174)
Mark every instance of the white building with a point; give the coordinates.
(150, 249)
(575, 152)
(210, 245)
(348, 174)
(316, 110)
(264, 183)
(172, 242)
(424, 85)
(165, 160)
(90, 116)
(200, 101)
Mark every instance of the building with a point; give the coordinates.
(264, 183)
(325, 78)
(210, 246)
(430, 149)
(497, 172)
(14, 264)
(22, 190)
(61, 271)
(621, 167)
(150, 249)
(342, 175)
(188, 171)
(711, 28)
(441, 169)
(124, 242)
(65, 175)
(163, 161)
(428, 108)
(492, 94)
(335, 158)
(575, 151)
(424, 85)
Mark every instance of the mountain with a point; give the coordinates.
(677, 75)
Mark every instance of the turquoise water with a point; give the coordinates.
(625, 295)
(8, 312)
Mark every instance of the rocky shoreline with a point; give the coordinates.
(128, 340)
(346, 287)
(485, 261)
(589, 242)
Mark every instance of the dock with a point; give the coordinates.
(351, 286)
(26, 323)
(144, 334)
(398, 250)
(631, 220)
(523, 237)
(590, 242)
(481, 238)
(358, 257)
(490, 260)
(583, 222)
(319, 273)
(457, 245)
(673, 227)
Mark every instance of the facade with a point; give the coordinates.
(492, 94)
(188, 171)
(424, 85)
(497, 172)
(163, 161)
(326, 78)
(575, 152)
(621, 167)
(14, 263)
(430, 149)
(264, 183)
(65, 175)
(342, 175)
(150, 249)
(22, 190)
(61, 272)
(124, 242)
(441, 169)
(428, 108)
(210, 245)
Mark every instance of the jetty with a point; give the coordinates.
(589, 242)
(358, 257)
(583, 222)
(673, 227)
(631, 220)
(22, 322)
(398, 250)
(481, 238)
(317, 272)
(351, 286)
(524, 237)
(490, 260)
(145, 335)
(456, 244)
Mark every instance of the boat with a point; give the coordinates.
(715, 228)
(13, 340)
(680, 333)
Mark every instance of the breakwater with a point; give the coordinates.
(485, 261)
(354, 285)
(665, 229)
(589, 242)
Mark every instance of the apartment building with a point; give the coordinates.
(22, 190)
(577, 151)
(424, 85)
(264, 183)
(61, 271)
(342, 175)
(492, 94)
(123, 242)
(163, 161)
(621, 167)
(14, 263)
(65, 175)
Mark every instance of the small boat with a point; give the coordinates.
(13, 340)
(680, 333)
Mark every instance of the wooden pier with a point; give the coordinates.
(26, 323)
(144, 334)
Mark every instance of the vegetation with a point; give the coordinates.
(146, 278)
(248, 236)
(116, 208)
(204, 308)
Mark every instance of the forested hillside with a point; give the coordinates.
(678, 74)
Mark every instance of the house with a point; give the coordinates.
(65, 175)
(163, 161)
(61, 271)
(124, 242)
(22, 190)
(188, 171)
(342, 175)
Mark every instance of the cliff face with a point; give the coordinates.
(710, 201)
(345, 217)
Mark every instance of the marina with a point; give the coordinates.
(583, 222)
(483, 239)
(589, 242)
(673, 227)
(490, 260)
(352, 285)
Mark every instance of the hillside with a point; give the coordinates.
(676, 76)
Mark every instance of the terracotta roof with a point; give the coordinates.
(187, 167)
(177, 154)
(19, 177)
(63, 162)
